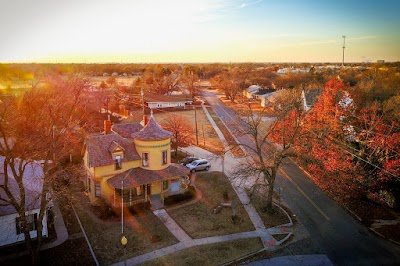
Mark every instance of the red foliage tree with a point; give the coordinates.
(323, 143)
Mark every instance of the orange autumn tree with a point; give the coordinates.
(378, 163)
(323, 145)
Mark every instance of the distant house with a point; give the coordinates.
(255, 92)
(156, 101)
(10, 228)
(272, 97)
(310, 97)
(250, 91)
(262, 92)
(132, 163)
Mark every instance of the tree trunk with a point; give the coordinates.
(269, 196)
(271, 184)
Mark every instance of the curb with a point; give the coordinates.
(242, 258)
(287, 224)
(384, 237)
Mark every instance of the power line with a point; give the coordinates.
(366, 161)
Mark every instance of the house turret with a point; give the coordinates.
(153, 145)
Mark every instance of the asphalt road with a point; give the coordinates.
(344, 240)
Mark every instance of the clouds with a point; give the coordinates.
(198, 30)
(250, 3)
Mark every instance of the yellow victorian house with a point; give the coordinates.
(134, 163)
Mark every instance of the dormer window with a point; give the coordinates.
(118, 163)
(145, 159)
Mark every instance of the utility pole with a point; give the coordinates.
(142, 93)
(344, 46)
(195, 122)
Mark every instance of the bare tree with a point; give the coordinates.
(182, 132)
(272, 144)
(45, 124)
(188, 79)
(230, 83)
(161, 82)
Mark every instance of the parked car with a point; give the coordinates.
(201, 164)
(188, 160)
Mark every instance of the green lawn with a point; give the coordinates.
(198, 219)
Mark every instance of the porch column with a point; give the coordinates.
(114, 196)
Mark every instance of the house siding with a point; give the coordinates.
(8, 229)
(155, 149)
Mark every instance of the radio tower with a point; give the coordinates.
(344, 46)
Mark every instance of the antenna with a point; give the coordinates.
(344, 46)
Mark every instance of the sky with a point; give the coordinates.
(197, 31)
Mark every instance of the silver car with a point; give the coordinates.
(201, 164)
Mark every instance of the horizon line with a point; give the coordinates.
(216, 62)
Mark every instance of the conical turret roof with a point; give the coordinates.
(152, 131)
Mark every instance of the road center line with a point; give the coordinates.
(306, 196)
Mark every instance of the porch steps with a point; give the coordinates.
(156, 202)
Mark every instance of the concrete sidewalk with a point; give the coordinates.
(59, 226)
(261, 231)
(230, 163)
(174, 228)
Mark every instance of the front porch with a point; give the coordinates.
(139, 185)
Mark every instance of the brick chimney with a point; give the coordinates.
(145, 120)
(107, 125)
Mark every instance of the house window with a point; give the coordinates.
(31, 221)
(165, 184)
(145, 159)
(164, 157)
(97, 190)
(118, 164)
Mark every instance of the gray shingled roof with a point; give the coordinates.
(98, 148)
(152, 131)
(33, 183)
(126, 130)
(138, 176)
(312, 96)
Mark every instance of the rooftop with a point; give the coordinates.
(138, 176)
(152, 131)
(100, 147)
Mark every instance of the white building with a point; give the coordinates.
(10, 228)
(155, 101)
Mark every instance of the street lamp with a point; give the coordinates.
(124, 241)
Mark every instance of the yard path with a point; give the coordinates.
(217, 164)
(266, 234)
(173, 227)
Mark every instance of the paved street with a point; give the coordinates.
(345, 240)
